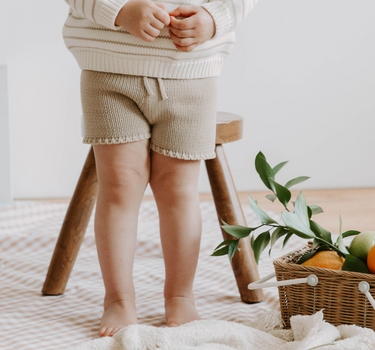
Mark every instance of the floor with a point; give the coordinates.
(31, 321)
(29, 231)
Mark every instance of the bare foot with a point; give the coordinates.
(180, 310)
(117, 314)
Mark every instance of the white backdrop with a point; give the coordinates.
(301, 74)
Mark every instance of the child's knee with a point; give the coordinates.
(123, 166)
(175, 182)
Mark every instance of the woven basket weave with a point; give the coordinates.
(337, 293)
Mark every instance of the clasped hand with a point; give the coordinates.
(145, 19)
(195, 28)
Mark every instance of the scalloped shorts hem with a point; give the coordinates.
(114, 140)
(182, 155)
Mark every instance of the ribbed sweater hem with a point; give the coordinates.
(179, 155)
(163, 68)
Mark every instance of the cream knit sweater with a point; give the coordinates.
(98, 44)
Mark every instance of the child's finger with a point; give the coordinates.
(152, 31)
(189, 33)
(162, 6)
(146, 37)
(186, 48)
(175, 13)
(157, 24)
(162, 16)
(183, 24)
(185, 11)
(182, 41)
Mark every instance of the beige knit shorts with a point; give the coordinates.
(178, 115)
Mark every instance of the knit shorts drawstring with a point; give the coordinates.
(161, 87)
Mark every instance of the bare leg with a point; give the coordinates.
(174, 183)
(123, 174)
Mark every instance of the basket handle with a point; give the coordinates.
(311, 280)
(364, 287)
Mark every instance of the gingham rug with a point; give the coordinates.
(29, 320)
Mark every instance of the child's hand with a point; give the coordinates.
(143, 18)
(192, 31)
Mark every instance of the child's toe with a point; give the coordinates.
(172, 324)
(102, 331)
(114, 331)
(105, 332)
(108, 333)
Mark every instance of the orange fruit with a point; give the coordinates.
(371, 259)
(328, 259)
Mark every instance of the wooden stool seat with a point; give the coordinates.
(228, 129)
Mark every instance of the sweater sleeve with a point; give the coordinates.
(103, 12)
(227, 14)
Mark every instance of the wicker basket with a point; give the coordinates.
(337, 293)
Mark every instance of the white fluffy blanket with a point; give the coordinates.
(267, 333)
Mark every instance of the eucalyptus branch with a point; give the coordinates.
(271, 225)
(286, 208)
(297, 223)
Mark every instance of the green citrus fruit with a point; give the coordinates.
(362, 244)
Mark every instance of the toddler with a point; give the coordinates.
(149, 95)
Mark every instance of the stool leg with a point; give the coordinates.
(229, 209)
(73, 229)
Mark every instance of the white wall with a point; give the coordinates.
(301, 74)
(6, 184)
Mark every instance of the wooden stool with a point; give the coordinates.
(228, 207)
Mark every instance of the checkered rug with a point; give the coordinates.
(29, 320)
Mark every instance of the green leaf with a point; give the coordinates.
(297, 226)
(296, 181)
(278, 167)
(321, 232)
(228, 241)
(354, 264)
(341, 245)
(283, 194)
(339, 242)
(271, 197)
(238, 230)
(309, 212)
(252, 239)
(350, 233)
(262, 216)
(233, 248)
(277, 234)
(309, 255)
(264, 170)
(221, 251)
(286, 239)
(300, 209)
(306, 256)
(260, 243)
(315, 209)
(316, 242)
